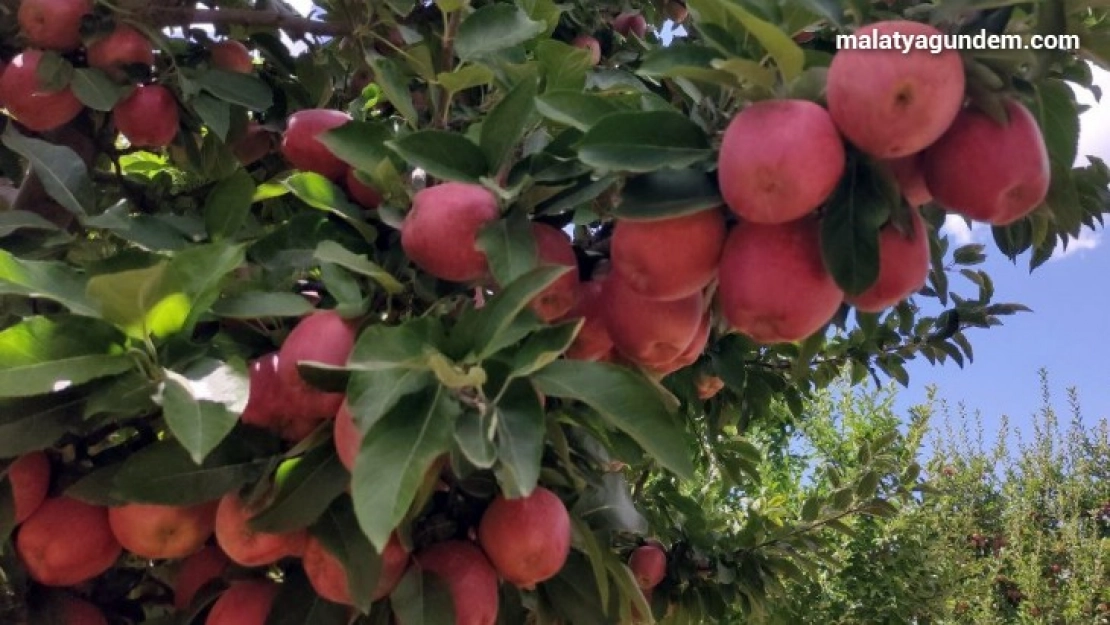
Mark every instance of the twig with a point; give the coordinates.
(446, 61)
(295, 25)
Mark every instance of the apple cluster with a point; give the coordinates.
(147, 116)
(302, 149)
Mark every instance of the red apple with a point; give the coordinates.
(630, 23)
(232, 56)
(773, 283)
(988, 171)
(29, 102)
(196, 571)
(329, 579)
(29, 477)
(779, 160)
(75, 611)
(53, 24)
(651, 333)
(254, 144)
(302, 148)
(162, 532)
(246, 602)
(554, 248)
(66, 542)
(910, 173)
(593, 341)
(246, 547)
(903, 266)
(890, 103)
(668, 259)
(324, 337)
(365, 195)
(526, 539)
(470, 579)
(692, 352)
(123, 47)
(649, 565)
(148, 117)
(591, 45)
(440, 233)
(708, 386)
(347, 438)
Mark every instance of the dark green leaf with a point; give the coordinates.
(508, 122)
(94, 89)
(495, 27)
(520, 436)
(228, 204)
(667, 193)
(63, 173)
(216, 114)
(643, 142)
(246, 90)
(510, 247)
(359, 144)
(497, 318)
(422, 598)
(306, 486)
(395, 85)
(199, 424)
(576, 108)
(259, 305)
(322, 194)
(332, 252)
(442, 154)
(850, 228)
(164, 473)
(338, 531)
(474, 439)
(297, 603)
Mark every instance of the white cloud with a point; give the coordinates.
(1087, 240)
(1094, 134)
(960, 233)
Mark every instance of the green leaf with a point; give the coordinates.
(338, 531)
(372, 394)
(422, 598)
(510, 246)
(215, 114)
(306, 486)
(43, 354)
(297, 603)
(497, 318)
(359, 144)
(626, 401)
(34, 423)
(94, 89)
(62, 172)
(855, 213)
(147, 232)
(395, 85)
(465, 77)
(382, 347)
(493, 28)
(564, 66)
(442, 154)
(576, 108)
(228, 204)
(246, 90)
(508, 122)
(520, 436)
(44, 279)
(544, 347)
(203, 405)
(260, 305)
(474, 439)
(140, 301)
(667, 193)
(788, 55)
(14, 220)
(643, 142)
(322, 194)
(1058, 118)
(332, 252)
(395, 454)
(685, 61)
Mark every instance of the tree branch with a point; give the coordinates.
(294, 25)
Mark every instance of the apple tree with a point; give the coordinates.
(461, 311)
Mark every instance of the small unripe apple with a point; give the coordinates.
(630, 23)
(526, 539)
(440, 232)
(29, 102)
(302, 148)
(148, 117)
(591, 45)
(779, 160)
(668, 259)
(890, 103)
(988, 171)
(53, 24)
(123, 47)
(232, 56)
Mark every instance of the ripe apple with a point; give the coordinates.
(245, 546)
(29, 102)
(649, 565)
(440, 233)
(988, 171)
(245, 602)
(591, 45)
(651, 333)
(469, 577)
(76, 611)
(195, 572)
(148, 117)
(909, 171)
(889, 103)
(708, 386)
(668, 259)
(593, 341)
(773, 283)
(162, 532)
(283, 409)
(365, 195)
(232, 56)
(677, 11)
(779, 160)
(302, 148)
(53, 24)
(66, 542)
(526, 539)
(329, 578)
(554, 248)
(630, 23)
(323, 337)
(903, 267)
(692, 352)
(123, 47)
(29, 477)
(254, 144)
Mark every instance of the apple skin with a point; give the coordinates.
(773, 285)
(692, 352)
(148, 117)
(122, 47)
(300, 146)
(53, 554)
(669, 259)
(160, 532)
(28, 102)
(232, 56)
(591, 45)
(325, 337)
(630, 23)
(53, 24)
(890, 104)
(989, 172)
(254, 144)
(904, 262)
(526, 539)
(593, 342)
(708, 386)
(245, 602)
(677, 11)
(440, 233)
(275, 406)
(247, 547)
(909, 171)
(195, 572)
(29, 477)
(328, 578)
(647, 332)
(77, 611)
(779, 160)
(554, 248)
(470, 579)
(365, 195)
(649, 565)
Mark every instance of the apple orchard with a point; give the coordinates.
(459, 312)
